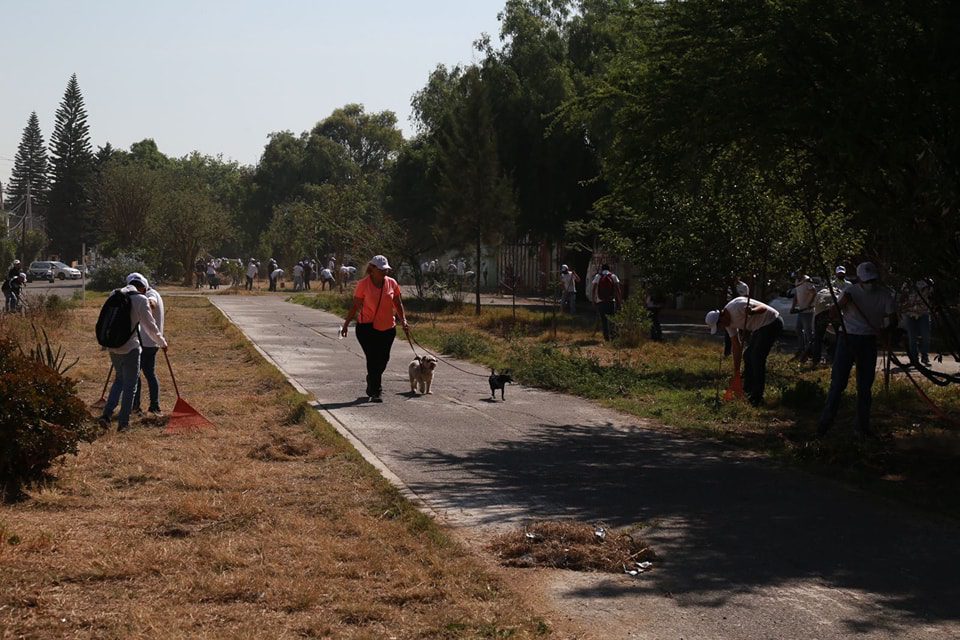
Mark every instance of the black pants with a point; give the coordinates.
(376, 347)
(755, 360)
(249, 283)
(273, 284)
(656, 331)
(606, 310)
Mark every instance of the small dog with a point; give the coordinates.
(421, 373)
(499, 381)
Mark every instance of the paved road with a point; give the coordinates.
(747, 549)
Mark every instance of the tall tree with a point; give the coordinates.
(29, 166)
(370, 139)
(69, 220)
(477, 203)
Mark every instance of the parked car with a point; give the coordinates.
(783, 304)
(40, 271)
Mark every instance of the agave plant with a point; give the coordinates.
(44, 353)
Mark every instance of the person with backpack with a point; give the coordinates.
(148, 356)
(124, 318)
(607, 297)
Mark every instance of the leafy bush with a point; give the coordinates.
(112, 272)
(633, 321)
(464, 345)
(41, 419)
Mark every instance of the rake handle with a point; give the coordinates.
(106, 382)
(172, 377)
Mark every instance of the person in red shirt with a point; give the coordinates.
(376, 305)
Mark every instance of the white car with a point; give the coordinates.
(783, 305)
(64, 272)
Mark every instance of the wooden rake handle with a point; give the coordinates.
(172, 377)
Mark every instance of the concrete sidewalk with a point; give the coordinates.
(746, 549)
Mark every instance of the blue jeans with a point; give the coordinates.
(805, 329)
(148, 365)
(852, 350)
(127, 366)
(10, 301)
(918, 330)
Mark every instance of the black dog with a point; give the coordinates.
(499, 381)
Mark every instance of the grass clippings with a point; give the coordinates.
(268, 525)
(574, 546)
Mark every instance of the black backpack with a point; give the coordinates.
(114, 326)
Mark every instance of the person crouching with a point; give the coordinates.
(376, 303)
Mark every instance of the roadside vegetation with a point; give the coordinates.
(677, 384)
(268, 523)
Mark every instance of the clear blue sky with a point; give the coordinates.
(217, 76)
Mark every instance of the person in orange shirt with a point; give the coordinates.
(376, 304)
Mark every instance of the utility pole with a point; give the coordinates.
(27, 212)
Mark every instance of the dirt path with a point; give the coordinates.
(748, 549)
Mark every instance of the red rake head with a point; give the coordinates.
(185, 418)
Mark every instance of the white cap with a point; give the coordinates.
(564, 267)
(16, 262)
(867, 271)
(380, 262)
(713, 317)
(841, 270)
(139, 278)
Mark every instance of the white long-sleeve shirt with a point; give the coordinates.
(140, 315)
(156, 304)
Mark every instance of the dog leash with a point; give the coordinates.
(442, 359)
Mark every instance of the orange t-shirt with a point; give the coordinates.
(373, 297)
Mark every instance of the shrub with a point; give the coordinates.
(41, 419)
(464, 345)
(112, 272)
(633, 321)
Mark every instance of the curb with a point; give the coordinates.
(340, 427)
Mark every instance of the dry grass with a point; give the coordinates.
(261, 527)
(571, 545)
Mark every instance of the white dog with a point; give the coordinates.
(421, 373)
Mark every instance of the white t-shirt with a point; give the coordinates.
(252, 271)
(277, 273)
(569, 282)
(297, 270)
(326, 274)
(866, 311)
(737, 309)
(804, 294)
(156, 308)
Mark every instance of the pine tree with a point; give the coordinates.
(29, 166)
(68, 219)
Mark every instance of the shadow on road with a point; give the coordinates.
(722, 524)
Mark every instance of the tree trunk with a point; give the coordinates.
(477, 269)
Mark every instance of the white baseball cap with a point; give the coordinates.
(380, 262)
(867, 271)
(564, 267)
(713, 317)
(841, 270)
(139, 278)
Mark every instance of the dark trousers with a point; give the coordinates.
(606, 310)
(148, 366)
(755, 360)
(852, 350)
(376, 347)
(273, 284)
(656, 331)
(249, 283)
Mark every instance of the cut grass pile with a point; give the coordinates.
(571, 545)
(675, 383)
(269, 525)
